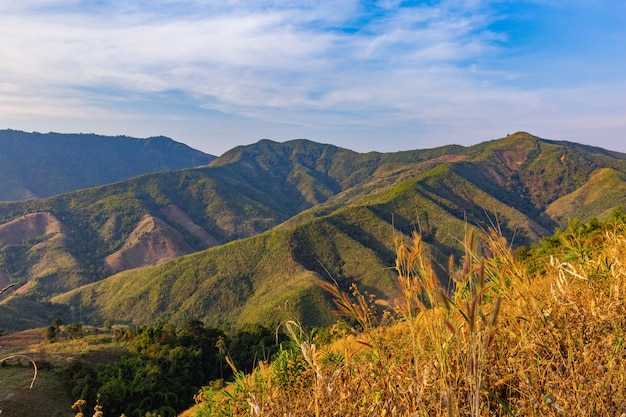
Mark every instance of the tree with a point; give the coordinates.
(74, 330)
(51, 333)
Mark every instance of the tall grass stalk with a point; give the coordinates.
(424, 306)
(309, 353)
(478, 300)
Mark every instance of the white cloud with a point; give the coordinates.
(313, 64)
(79, 47)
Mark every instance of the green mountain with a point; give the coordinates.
(35, 165)
(245, 239)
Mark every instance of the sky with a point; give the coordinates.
(383, 76)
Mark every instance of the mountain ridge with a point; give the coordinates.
(38, 165)
(284, 215)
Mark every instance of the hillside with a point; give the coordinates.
(35, 165)
(261, 279)
(508, 342)
(240, 195)
(265, 221)
(548, 342)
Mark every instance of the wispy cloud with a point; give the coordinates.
(313, 64)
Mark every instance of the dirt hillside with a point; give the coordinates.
(30, 226)
(151, 243)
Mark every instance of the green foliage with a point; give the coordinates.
(51, 333)
(165, 367)
(287, 367)
(81, 380)
(251, 345)
(73, 330)
(571, 244)
(14, 257)
(27, 313)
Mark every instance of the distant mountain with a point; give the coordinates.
(245, 239)
(35, 165)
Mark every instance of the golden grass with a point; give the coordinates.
(503, 343)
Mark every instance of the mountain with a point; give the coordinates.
(35, 165)
(245, 239)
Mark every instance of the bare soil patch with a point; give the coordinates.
(151, 243)
(30, 226)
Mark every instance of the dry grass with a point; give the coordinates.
(502, 344)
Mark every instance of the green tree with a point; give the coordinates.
(74, 330)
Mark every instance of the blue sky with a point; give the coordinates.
(366, 75)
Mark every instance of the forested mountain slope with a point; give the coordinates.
(270, 219)
(35, 165)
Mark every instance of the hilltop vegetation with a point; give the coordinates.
(244, 240)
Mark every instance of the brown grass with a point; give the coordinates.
(503, 344)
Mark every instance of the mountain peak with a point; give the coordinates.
(521, 135)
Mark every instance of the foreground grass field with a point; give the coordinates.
(507, 342)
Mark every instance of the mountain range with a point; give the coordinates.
(245, 239)
(36, 165)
